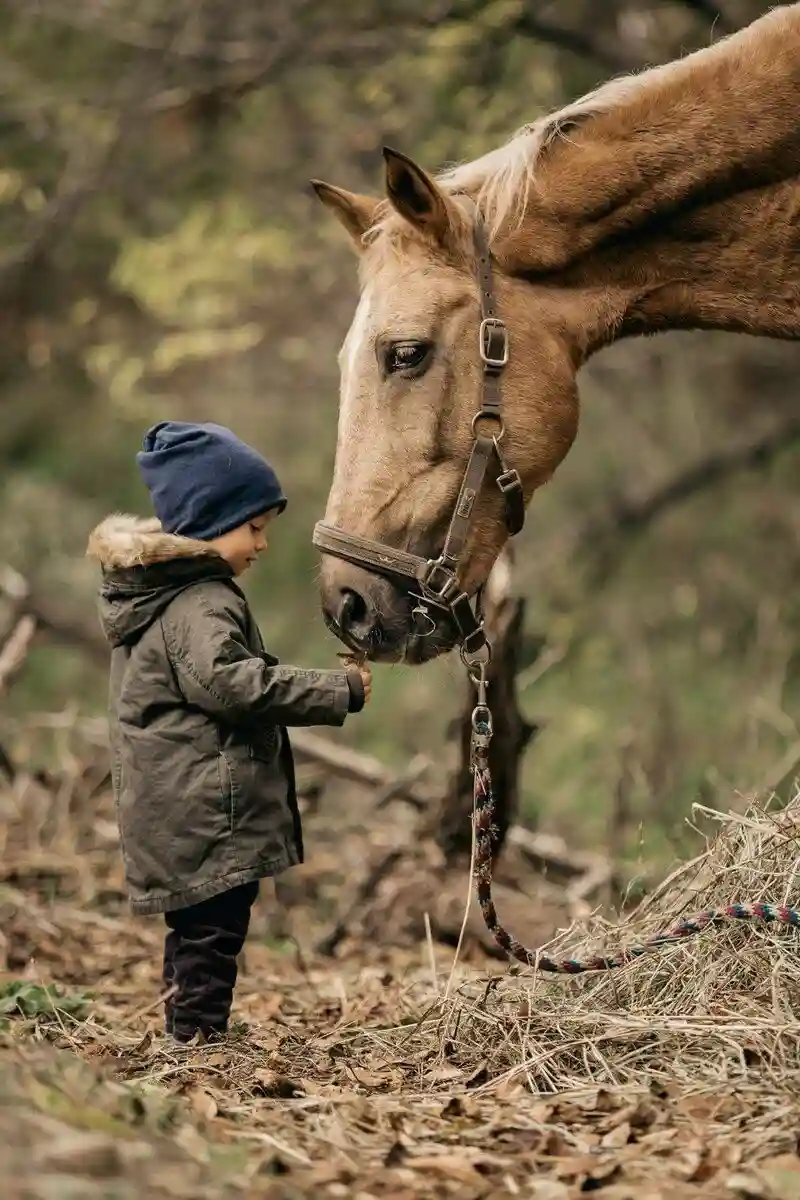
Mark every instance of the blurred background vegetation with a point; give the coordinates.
(161, 256)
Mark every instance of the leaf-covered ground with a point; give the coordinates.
(388, 1072)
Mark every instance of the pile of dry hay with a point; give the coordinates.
(712, 1009)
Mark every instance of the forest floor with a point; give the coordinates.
(390, 1070)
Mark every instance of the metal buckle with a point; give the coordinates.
(480, 657)
(491, 328)
(428, 580)
(509, 481)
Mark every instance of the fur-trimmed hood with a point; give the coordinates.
(144, 568)
(125, 541)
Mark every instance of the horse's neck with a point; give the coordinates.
(678, 205)
(732, 265)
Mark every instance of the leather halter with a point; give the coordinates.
(435, 580)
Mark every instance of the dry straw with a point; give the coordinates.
(711, 1007)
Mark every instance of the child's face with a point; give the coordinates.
(241, 547)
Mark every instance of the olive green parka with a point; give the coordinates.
(202, 766)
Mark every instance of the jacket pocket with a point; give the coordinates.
(227, 788)
(264, 745)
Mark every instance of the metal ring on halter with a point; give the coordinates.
(483, 415)
(480, 659)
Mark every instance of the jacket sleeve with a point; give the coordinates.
(217, 671)
(358, 696)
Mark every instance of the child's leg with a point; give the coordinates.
(209, 937)
(168, 977)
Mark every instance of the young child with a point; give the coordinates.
(201, 762)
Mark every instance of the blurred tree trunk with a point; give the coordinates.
(504, 615)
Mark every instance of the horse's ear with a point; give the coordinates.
(353, 211)
(415, 196)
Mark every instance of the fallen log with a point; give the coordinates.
(544, 851)
(328, 945)
(364, 769)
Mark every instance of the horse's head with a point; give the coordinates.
(411, 384)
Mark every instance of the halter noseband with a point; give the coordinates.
(436, 579)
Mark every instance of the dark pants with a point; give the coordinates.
(200, 955)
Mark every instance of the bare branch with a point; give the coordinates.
(283, 39)
(604, 541)
(52, 616)
(76, 185)
(711, 12)
(606, 52)
(14, 651)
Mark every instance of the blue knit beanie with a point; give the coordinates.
(203, 481)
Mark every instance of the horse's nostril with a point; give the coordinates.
(352, 609)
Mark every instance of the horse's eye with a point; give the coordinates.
(406, 356)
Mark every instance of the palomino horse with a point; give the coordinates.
(665, 200)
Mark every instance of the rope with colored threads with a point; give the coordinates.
(483, 816)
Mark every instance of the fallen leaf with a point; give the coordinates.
(605, 1102)
(700, 1107)
(372, 1079)
(576, 1166)
(641, 1115)
(508, 1089)
(617, 1137)
(274, 1166)
(144, 1046)
(96, 1155)
(395, 1155)
(443, 1074)
(713, 1159)
(454, 1108)
(478, 1078)
(309, 1087)
(325, 1173)
(203, 1104)
(601, 1174)
(657, 1142)
(275, 1086)
(748, 1187)
(556, 1145)
(778, 1178)
(451, 1166)
(547, 1189)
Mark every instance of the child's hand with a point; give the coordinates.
(365, 671)
(350, 661)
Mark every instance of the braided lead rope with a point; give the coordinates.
(483, 817)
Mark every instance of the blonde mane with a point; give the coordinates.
(500, 181)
